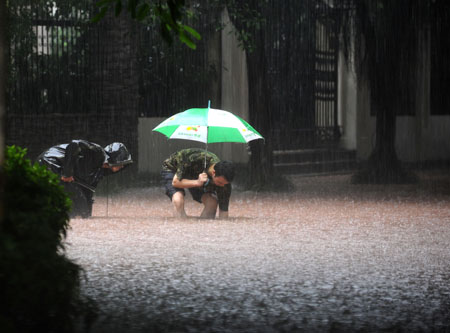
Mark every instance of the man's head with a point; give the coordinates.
(223, 173)
(118, 156)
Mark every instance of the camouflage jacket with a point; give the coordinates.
(189, 163)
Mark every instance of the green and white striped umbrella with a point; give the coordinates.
(208, 126)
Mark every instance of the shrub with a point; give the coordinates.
(39, 285)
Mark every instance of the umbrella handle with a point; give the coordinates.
(206, 147)
(206, 150)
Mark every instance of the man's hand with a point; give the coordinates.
(202, 178)
(189, 183)
(67, 179)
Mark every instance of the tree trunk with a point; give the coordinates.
(261, 159)
(3, 82)
(116, 68)
(115, 79)
(383, 165)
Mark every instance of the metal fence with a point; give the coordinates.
(102, 77)
(49, 59)
(175, 77)
(302, 55)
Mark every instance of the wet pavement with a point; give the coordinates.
(326, 257)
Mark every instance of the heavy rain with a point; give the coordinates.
(328, 256)
(224, 166)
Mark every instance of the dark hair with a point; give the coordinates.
(118, 154)
(226, 169)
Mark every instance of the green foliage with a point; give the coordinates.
(34, 195)
(248, 18)
(23, 33)
(175, 75)
(39, 285)
(170, 14)
(53, 51)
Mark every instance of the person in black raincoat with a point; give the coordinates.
(81, 165)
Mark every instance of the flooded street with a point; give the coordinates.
(328, 256)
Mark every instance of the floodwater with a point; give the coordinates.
(326, 257)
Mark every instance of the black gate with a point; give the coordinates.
(73, 79)
(302, 55)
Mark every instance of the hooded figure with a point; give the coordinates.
(81, 165)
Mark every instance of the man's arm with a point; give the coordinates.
(189, 183)
(71, 154)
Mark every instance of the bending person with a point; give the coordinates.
(210, 185)
(81, 165)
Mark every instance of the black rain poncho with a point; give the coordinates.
(84, 161)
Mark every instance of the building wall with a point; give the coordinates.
(433, 137)
(234, 87)
(419, 138)
(347, 104)
(424, 137)
(415, 141)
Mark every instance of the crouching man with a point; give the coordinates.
(81, 165)
(204, 174)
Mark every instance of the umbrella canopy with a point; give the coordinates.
(208, 126)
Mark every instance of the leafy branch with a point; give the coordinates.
(170, 13)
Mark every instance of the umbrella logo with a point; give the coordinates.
(191, 128)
